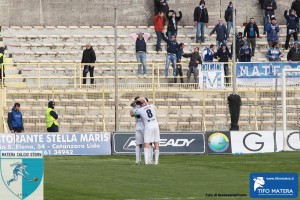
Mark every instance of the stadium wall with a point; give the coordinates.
(130, 12)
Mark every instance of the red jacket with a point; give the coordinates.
(158, 23)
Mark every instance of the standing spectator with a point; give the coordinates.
(229, 17)
(193, 64)
(201, 20)
(159, 27)
(274, 53)
(296, 7)
(251, 32)
(221, 31)
(292, 26)
(2, 72)
(223, 55)
(294, 53)
(162, 5)
(209, 54)
(173, 21)
(239, 44)
(272, 30)
(179, 66)
(270, 6)
(15, 120)
(88, 57)
(156, 6)
(172, 49)
(245, 53)
(51, 118)
(140, 40)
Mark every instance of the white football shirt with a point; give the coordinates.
(139, 124)
(148, 115)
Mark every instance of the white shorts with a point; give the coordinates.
(151, 134)
(139, 137)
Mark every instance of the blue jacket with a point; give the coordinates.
(273, 52)
(172, 47)
(179, 55)
(292, 21)
(245, 54)
(15, 119)
(208, 55)
(272, 32)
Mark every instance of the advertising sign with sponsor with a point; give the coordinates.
(211, 76)
(256, 141)
(170, 143)
(22, 175)
(58, 143)
(218, 142)
(263, 72)
(274, 185)
(292, 141)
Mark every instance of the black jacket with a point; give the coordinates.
(171, 25)
(163, 8)
(247, 31)
(291, 20)
(223, 55)
(221, 31)
(261, 2)
(239, 44)
(200, 15)
(270, 3)
(88, 56)
(296, 7)
(194, 57)
(228, 14)
(293, 54)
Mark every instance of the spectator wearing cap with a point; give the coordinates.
(274, 53)
(173, 21)
(294, 53)
(269, 6)
(223, 55)
(159, 27)
(221, 32)
(292, 21)
(245, 53)
(141, 40)
(51, 118)
(201, 20)
(208, 53)
(15, 119)
(88, 57)
(251, 32)
(229, 16)
(179, 66)
(272, 32)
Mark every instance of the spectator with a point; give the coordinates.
(245, 53)
(2, 60)
(239, 44)
(294, 53)
(251, 32)
(209, 54)
(173, 21)
(270, 6)
(88, 57)
(51, 118)
(179, 66)
(156, 6)
(223, 55)
(274, 53)
(296, 6)
(272, 30)
(229, 17)
(15, 120)
(159, 27)
(221, 32)
(201, 20)
(140, 40)
(292, 26)
(172, 49)
(193, 64)
(162, 5)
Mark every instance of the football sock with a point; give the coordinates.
(151, 154)
(156, 156)
(137, 154)
(140, 157)
(146, 155)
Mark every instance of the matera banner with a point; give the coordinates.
(22, 175)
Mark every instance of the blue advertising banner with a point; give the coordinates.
(273, 185)
(58, 143)
(246, 71)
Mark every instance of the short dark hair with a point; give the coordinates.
(251, 18)
(181, 44)
(211, 46)
(136, 98)
(274, 44)
(197, 48)
(17, 105)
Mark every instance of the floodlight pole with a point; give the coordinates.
(233, 49)
(116, 69)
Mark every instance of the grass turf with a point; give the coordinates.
(176, 177)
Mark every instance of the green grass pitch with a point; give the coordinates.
(176, 177)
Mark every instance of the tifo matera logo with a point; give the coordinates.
(258, 182)
(218, 142)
